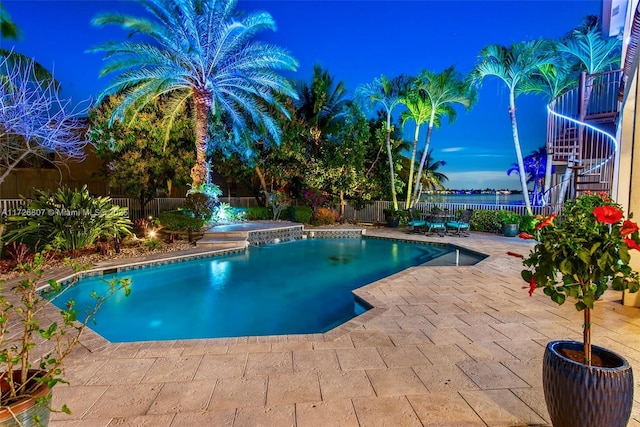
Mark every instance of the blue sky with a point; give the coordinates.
(357, 41)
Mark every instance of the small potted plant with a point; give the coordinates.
(578, 255)
(26, 331)
(510, 221)
(392, 216)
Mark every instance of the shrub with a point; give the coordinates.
(258, 213)
(200, 204)
(301, 214)
(508, 217)
(324, 216)
(225, 213)
(179, 221)
(153, 243)
(67, 219)
(485, 220)
(528, 223)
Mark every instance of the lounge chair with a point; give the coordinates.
(415, 222)
(461, 226)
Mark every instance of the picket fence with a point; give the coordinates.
(373, 213)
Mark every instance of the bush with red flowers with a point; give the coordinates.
(580, 252)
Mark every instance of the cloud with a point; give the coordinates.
(452, 149)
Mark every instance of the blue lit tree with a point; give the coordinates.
(535, 166)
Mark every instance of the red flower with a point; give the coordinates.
(632, 244)
(628, 227)
(517, 255)
(532, 286)
(547, 221)
(608, 214)
(525, 236)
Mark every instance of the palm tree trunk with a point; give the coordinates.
(516, 143)
(199, 170)
(423, 159)
(410, 202)
(392, 174)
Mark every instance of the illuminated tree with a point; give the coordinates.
(199, 51)
(35, 123)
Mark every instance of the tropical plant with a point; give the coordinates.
(179, 221)
(200, 205)
(67, 219)
(8, 28)
(431, 178)
(202, 51)
(593, 52)
(27, 330)
(535, 165)
(580, 252)
(514, 65)
(139, 162)
(389, 94)
(442, 90)
(506, 216)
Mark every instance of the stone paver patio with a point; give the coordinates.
(444, 346)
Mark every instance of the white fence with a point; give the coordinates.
(373, 213)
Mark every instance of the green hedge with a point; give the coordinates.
(300, 214)
(180, 221)
(485, 220)
(257, 213)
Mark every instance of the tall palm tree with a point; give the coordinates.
(431, 178)
(442, 90)
(201, 51)
(419, 110)
(320, 103)
(513, 65)
(594, 53)
(535, 165)
(389, 94)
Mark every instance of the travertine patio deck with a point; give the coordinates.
(445, 346)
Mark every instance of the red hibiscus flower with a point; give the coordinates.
(628, 227)
(525, 236)
(532, 286)
(632, 244)
(547, 221)
(608, 214)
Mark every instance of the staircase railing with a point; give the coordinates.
(581, 131)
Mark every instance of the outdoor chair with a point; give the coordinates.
(461, 226)
(435, 223)
(415, 222)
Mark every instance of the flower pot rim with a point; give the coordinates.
(553, 345)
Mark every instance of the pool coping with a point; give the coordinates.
(93, 341)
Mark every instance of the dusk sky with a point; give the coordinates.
(357, 41)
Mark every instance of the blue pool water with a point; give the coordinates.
(288, 288)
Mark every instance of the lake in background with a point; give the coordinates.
(485, 199)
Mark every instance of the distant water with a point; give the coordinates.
(485, 199)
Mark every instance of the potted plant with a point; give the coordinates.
(26, 331)
(510, 221)
(578, 255)
(392, 217)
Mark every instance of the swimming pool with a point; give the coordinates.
(296, 287)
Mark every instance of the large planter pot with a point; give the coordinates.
(578, 395)
(26, 412)
(510, 230)
(393, 221)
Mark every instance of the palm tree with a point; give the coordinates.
(389, 94)
(431, 178)
(514, 66)
(594, 53)
(321, 103)
(8, 28)
(419, 110)
(535, 165)
(201, 51)
(442, 90)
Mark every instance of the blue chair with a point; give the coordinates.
(435, 223)
(461, 226)
(414, 221)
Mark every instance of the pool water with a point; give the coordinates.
(288, 288)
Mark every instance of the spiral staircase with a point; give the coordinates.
(581, 136)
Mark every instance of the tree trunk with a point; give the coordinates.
(586, 336)
(423, 159)
(392, 174)
(199, 171)
(410, 202)
(516, 143)
(263, 183)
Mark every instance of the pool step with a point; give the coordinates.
(223, 240)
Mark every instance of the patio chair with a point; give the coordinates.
(435, 223)
(461, 226)
(415, 222)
